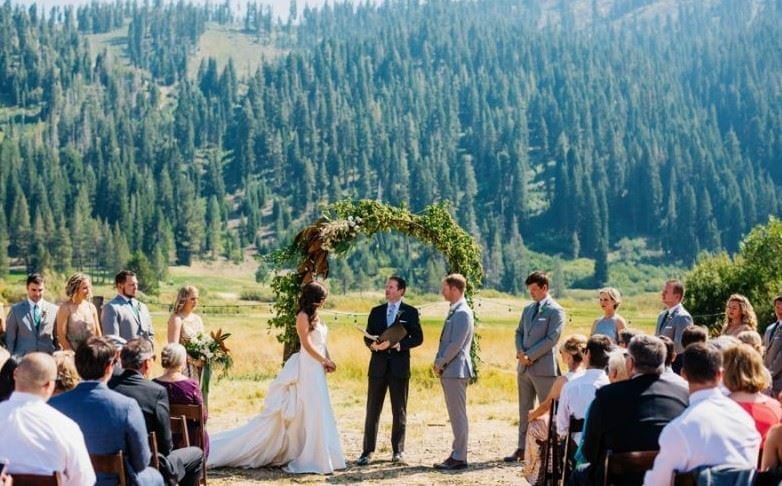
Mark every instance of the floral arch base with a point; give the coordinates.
(336, 231)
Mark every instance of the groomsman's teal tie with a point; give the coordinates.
(36, 315)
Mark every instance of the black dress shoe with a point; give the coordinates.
(517, 456)
(451, 464)
(364, 460)
(398, 458)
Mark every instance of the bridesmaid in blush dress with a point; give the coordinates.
(77, 319)
(184, 324)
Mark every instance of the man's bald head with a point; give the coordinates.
(36, 374)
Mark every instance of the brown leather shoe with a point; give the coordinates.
(517, 456)
(451, 464)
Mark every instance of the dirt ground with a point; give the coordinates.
(493, 427)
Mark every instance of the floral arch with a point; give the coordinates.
(340, 226)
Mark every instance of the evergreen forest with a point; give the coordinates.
(555, 130)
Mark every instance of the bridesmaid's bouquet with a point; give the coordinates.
(211, 350)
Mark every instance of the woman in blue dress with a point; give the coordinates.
(611, 322)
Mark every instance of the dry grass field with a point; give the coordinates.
(492, 403)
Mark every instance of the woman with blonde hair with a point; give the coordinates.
(184, 325)
(611, 324)
(77, 318)
(746, 378)
(739, 316)
(572, 352)
(67, 375)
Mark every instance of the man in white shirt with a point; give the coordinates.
(713, 430)
(36, 438)
(670, 355)
(578, 393)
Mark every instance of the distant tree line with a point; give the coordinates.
(557, 139)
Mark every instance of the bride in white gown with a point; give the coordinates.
(296, 427)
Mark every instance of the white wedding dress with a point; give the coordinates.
(296, 427)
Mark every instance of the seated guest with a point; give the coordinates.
(753, 339)
(625, 336)
(181, 389)
(578, 393)
(629, 415)
(7, 378)
(572, 351)
(67, 375)
(109, 421)
(617, 367)
(772, 451)
(36, 438)
(713, 430)
(669, 357)
(747, 378)
(186, 463)
(691, 334)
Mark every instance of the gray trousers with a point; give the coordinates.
(455, 391)
(529, 387)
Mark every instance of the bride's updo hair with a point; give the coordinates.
(312, 296)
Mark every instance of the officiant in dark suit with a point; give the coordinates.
(389, 368)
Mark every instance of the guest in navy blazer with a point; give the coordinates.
(109, 421)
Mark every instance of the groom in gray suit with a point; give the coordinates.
(539, 329)
(452, 364)
(674, 319)
(125, 316)
(30, 324)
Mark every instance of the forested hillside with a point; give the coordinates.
(561, 131)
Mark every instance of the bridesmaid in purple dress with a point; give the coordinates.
(181, 389)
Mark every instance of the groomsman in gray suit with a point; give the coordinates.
(538, 332)
(772, 343)
(125, 316)
(674, 319)
(30, 325)
(452, 364)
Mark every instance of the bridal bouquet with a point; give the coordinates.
(212, 351)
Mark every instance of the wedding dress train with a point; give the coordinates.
(296, 427)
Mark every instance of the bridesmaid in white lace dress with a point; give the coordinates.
(184, 324)
(296, 428)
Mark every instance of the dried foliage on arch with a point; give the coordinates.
(340, 227)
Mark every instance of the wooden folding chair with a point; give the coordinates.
(110, 464)
(574, 426)
(179, 433)
(619, 463)
(193, 413)
(36, 479)
(154, 461)
(552, 452)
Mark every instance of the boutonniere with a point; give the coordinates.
(43, 314)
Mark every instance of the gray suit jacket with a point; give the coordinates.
(772, 342)
(119, 319)
(23, 336)
(674, 326)
(453, 355)
(537, 338)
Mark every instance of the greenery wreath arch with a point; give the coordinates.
(339, 227)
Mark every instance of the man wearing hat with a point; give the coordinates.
(185, 464)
